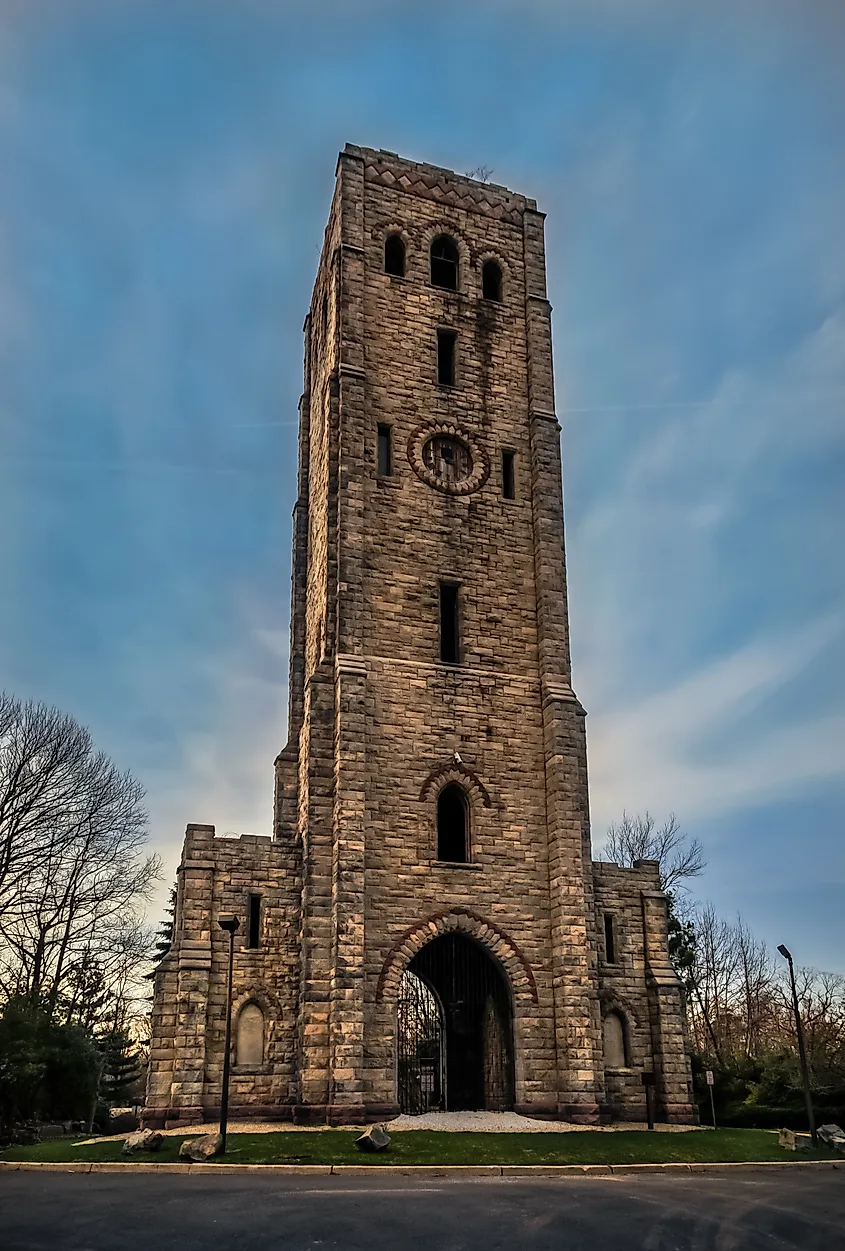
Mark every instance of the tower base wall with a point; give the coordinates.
(219, 874)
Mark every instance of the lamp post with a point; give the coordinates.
(230, 923)
(802, 1054)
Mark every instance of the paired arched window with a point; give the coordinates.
(444, 263)
(249, 1043)
(491, 281)
(444, 259)
(615, 1047)
(452, 825)
(394, 256)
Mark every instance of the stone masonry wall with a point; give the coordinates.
(490, 709)
(641, 986)
(217, 875)
(351, 884)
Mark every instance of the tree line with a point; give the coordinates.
(738, 996)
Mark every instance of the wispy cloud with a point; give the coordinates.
(221, 772)
(685, 750)
(170, 168)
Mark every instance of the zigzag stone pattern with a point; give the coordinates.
(430, 183)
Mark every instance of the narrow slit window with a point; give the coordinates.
(449, 646)
(254, 935)
(452, 842)
(394, 256)
(491, 282)
(385, 451)
(508, 477)
(609, 939)
(446, 357)
(444, 263)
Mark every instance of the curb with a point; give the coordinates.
(456, 1171)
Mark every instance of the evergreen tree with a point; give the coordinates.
(121, 1068)
(47, 1070)
(164, 935)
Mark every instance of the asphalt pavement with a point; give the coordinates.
(105, 1212)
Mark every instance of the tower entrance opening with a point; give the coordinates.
(455, 1030)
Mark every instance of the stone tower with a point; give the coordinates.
(425, 928)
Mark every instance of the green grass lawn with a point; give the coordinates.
(432, 1147)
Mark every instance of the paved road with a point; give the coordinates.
(90, 1212)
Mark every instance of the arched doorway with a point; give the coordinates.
(455, 1030)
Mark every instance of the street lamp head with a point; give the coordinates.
(786, 955)
(229, 922)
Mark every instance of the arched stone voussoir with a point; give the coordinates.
(452, 771)
(463, 920)
(613, 1001)
(266, 1000)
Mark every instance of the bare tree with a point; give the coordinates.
(43, 756)
(639, 838)
(738, 997)
(73, 874)
(757, 980)
(712, 979)
(740, 1005)
(821, 999)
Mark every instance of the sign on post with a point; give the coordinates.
(708, 1073)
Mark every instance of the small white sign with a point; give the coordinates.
(708, 1073)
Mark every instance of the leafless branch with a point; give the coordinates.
(639, 838)
(73, 873)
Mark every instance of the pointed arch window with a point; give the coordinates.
(453, 825)
(444, 263)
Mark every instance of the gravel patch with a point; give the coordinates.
(448, 1122)
(511, 1123)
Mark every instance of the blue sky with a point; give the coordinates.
(167, 170)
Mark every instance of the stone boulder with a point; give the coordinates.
(376, 1138)
(832, 1136)
(199, 1149)
(791, 1140)
(142, 1140)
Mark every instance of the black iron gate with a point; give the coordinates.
(455, 1030)
(421, 1046)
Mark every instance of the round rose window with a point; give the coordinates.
(448, 459)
